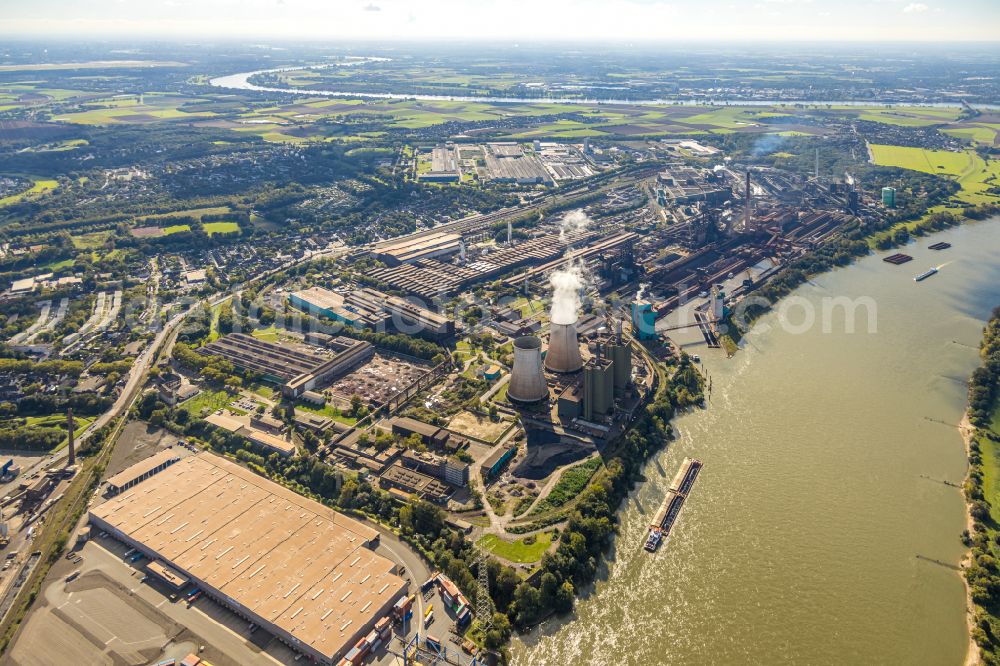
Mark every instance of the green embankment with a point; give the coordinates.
(523, 551)
(982, 491)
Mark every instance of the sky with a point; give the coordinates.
(464, 20)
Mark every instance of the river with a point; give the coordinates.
(241, 81)
(824, 459)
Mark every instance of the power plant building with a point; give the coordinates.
(527, 380)
(643, 320)
(598, 388)
(300, 570)
(563, 355)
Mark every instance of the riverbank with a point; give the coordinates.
(973, 657)
(980, 430)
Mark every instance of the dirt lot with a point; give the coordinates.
(138, 441)
(467, 423)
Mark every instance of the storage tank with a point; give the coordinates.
(527, 381)
(564, 349)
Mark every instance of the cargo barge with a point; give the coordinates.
(898, 259)
(926, 274)
(666, 515)
(940, 246)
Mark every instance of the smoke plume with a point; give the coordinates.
(566, 286)
(643, 286)
(573, 222)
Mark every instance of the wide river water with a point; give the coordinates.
(804, 539)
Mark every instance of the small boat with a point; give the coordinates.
(925, 275)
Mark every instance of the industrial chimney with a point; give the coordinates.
(564, 349)
(527, 382)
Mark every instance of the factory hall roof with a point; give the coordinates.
(289, 560)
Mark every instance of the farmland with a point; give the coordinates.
(973, 173)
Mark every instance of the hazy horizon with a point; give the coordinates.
(557, 21)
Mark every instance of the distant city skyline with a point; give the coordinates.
(562, 20)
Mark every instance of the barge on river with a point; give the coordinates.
(666, 516)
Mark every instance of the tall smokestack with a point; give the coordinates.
(71, 460)
(510, 232)
(527, 381)
(816, 170)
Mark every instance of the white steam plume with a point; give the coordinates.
(572, 222)
(643, 286)
(566, 286)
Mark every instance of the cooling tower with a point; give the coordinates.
(564, 349)
(527, 382)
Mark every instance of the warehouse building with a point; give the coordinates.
(410, 249)
(298, 368)
(300, 570)
(373, 309)
(154, 464)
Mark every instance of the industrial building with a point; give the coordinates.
(413, 482)
(333, 305)
(429, 278)
(681, 184)
(450, 471)
(493, 465)
(298, 569)
(430, 435)
(643, 320)
(444, 166)
(230, 423)
(139, 472)
(507, 163)
(410, 249)
(373, 309)
(297, 368)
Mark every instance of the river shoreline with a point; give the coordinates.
(973, 655)
(241, 81)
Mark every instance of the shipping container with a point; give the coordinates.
(384, 628)
(432, 642)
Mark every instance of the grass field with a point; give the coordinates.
(212, 228)
(91, 241)
(189, 212)
(176, 228)
(517, 551)
(328, 411)
(207, 402)
(40, 187)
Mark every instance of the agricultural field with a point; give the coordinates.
(973, 173)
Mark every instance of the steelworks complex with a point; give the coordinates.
(291, 565)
